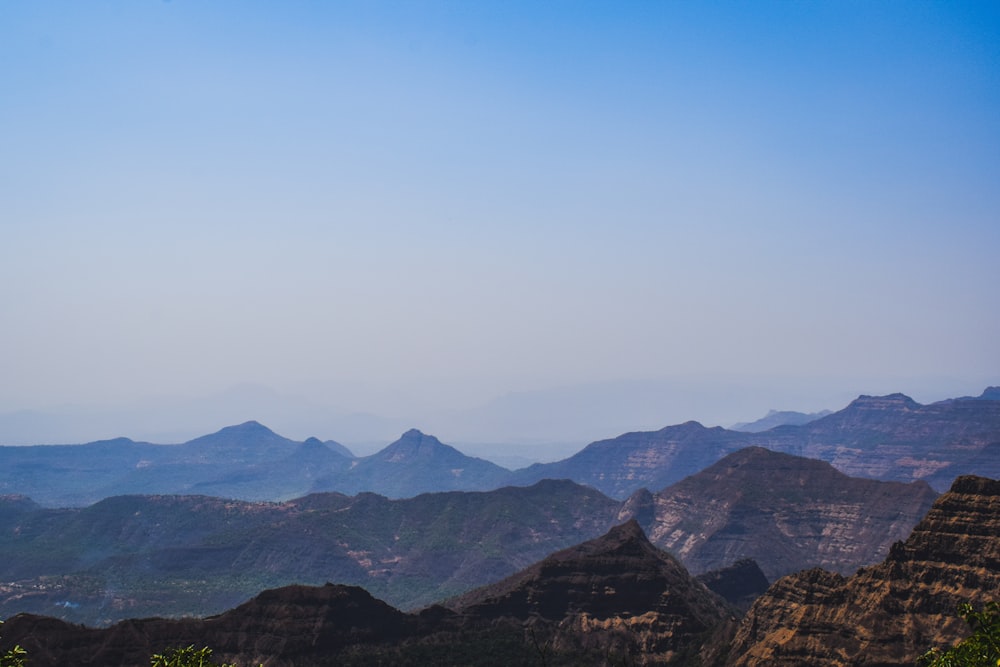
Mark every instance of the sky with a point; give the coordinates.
(406, 209)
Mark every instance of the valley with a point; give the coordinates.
(454, 549)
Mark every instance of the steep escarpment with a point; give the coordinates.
(890, 613)
(785, 512)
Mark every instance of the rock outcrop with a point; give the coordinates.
(890, 613)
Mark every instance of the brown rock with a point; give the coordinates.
(891, 613)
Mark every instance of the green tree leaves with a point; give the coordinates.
(980, 649)
(184, 657)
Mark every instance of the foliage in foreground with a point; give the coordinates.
(980, 649)
(14, 657)
(185, 657)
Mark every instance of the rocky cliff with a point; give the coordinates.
(890, 613)
(785, 512)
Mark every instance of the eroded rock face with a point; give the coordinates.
(617, 592)
(890, 613)
(786, 512)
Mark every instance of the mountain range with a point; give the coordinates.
(886, 437)
(184, 555)
(889, 437)
(615, 599)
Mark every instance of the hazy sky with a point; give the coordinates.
(390, 205)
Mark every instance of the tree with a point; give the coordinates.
(980, 649)
(14, 657)
(184, 657)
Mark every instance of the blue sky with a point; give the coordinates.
(406, 206)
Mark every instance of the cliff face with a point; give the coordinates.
(785, 512)
(890, 613)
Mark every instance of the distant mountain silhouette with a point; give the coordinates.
(778, 418)
(880, 437)
(414, 464)
(652, 460)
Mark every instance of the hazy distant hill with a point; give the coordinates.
(416, 463)
(651, 460)
(880, 437)
(895, 438)
(778, 418)
(248, 461)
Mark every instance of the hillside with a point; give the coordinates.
(615, 599)
(785, 512)
(171, 555)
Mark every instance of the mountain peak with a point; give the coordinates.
(990, 394)
(251, 427)
(895, 401)
(412, 444)
(626, 532)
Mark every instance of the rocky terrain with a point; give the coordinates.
(612, 600)
(785, 512)
(890, 613)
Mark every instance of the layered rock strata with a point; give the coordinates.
(891, 613)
